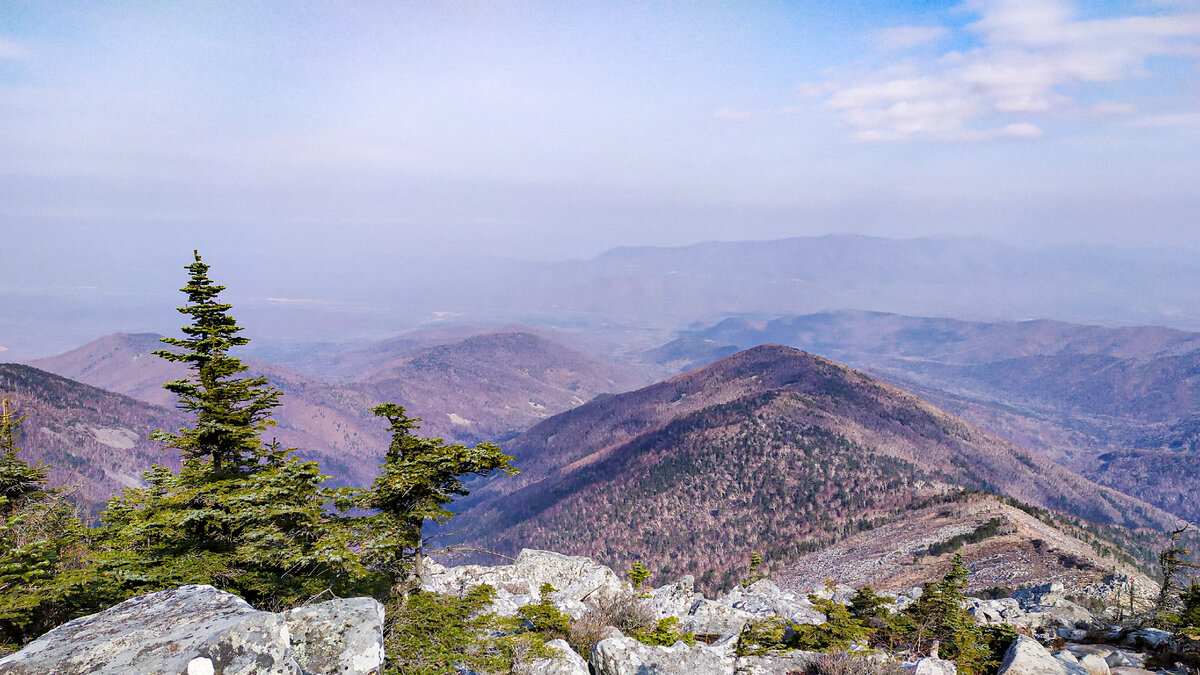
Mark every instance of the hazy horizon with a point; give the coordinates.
(300, 145)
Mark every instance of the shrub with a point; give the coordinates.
(623, 612)
(841, 663)
(664, 634)
(939, 614)
(544, 618)
(763, 636)
(840, 631)
(434, 634)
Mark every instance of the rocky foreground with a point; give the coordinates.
(199, 630)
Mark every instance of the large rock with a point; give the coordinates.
(931, 665)
(626, 656)
(675, 599)
(1048, 606)
(196, 630)
(709, 617)
(576, 578)
(1001, 610)
(1027, 656)
(340, 637)
(764, 599)
(567, 662)
(1046, 595)
(776, 664)
(199, 630)
(1147, 638)
(1095, 664)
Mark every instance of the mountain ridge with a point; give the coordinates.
(769, 434)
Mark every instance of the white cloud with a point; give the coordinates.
(1032, 56)
(11, 50)
(907, 37)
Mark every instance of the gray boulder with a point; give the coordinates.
(1002, 610)
(1119, 658)
(626, 656)
(576, 578)
(1046, 595)
(675, 599)
(567, 662)
(199, 630)
(1072, 634)
(1027, 656)
(340, 637)
(1149, 638)
(1070, 662)
(931, 665)
(196, 630)
(1095, 664)
(709, 617)
(764, 599)
(775, 664)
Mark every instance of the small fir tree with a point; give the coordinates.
(940, 614)
(638, 574)
(418, 478)
(1173, 564)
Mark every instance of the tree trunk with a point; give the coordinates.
(419, 558)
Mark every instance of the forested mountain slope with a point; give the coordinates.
(1070, 392)
(771, 449)
(96, 441)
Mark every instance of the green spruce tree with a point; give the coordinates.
(418, 478)
(243, 515)
(231, 411)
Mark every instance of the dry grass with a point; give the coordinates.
(842, 663)
(625, 613)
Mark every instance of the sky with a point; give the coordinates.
(313, 133)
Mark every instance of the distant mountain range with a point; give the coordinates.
(644, 289)
(1119, 405)
(772, 450)
(486, 387)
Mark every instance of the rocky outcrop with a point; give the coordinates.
(1027, 656)
(620, 655)
(566, 662)
(576, 578)
(775, 664)
(339, 637)
(728, 614)
(199, 630)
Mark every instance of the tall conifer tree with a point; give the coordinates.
(230, 411)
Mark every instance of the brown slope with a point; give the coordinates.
(491, 387)
(121, 362)
(770, 449)
(330, 424)
(1011, 548)
(94, 439)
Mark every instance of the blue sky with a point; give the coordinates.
(132, 131)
